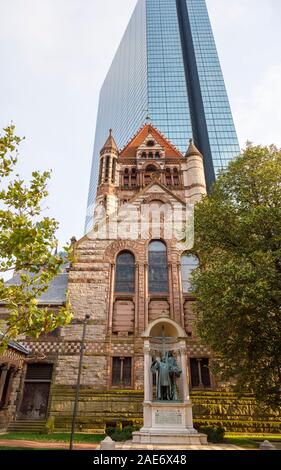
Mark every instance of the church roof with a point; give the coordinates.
(110, 143)
(54, 295)
(131, 147)
(192, 150)
(15, 345)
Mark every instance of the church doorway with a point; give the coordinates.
(37, 384)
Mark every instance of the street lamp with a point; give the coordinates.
(87, 316)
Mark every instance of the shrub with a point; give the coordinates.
(49, 427)
(214, 433)
(121, 435)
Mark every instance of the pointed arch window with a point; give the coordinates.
(158, 269)
(125, 273)
(188, 264)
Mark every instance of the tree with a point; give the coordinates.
(238, 284)
(27, 246)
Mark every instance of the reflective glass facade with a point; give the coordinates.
(167, 66)
(221, 131)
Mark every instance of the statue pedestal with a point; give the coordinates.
(168, 422)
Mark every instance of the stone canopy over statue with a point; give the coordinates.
(167, 372)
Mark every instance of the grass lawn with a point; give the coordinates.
(55, 437)
(242, 442)
(251, 441)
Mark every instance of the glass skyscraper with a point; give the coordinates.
(167, 67)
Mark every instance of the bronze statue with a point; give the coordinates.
(168, 371)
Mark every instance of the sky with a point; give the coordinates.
(54, 55)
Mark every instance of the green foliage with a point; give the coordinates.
(49, 427)
(238, 285)
(120, 435)
(28, 246)
(214, 433)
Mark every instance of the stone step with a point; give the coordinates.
(27, 426)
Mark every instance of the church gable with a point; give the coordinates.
(146, 135)
(157, 191)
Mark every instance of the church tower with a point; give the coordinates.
(194, 177)
(107, 182)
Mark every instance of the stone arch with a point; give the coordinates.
(117, 246)
(172, 327)
(157, 197)
(154, 164)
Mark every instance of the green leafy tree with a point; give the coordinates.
(238, 284)
(27, 246)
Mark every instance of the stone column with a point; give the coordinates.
(147, 412)
(147, 374)
(185, 378)
(110, 170)
(137, 298)
(111, 297)
(186, 397)
(146, 299)
(180, 295)
(103, 169)
(4, 373)
(171, 291)
(13, 371)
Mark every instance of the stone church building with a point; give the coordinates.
(130, 271)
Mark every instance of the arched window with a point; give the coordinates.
(168, 177)
(113, 170)
(176, 177)
(188, 264)
(107, 163)
(134, 178)
(143, 155)
(158, 270)
(150, 155)
(157, 155)
(126, 177)
(125, 273)
(101, 170)
(148, 172)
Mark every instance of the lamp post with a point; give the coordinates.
(87, 316)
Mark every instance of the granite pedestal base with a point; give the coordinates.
(167, 422)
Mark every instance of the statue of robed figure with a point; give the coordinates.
(167, 372)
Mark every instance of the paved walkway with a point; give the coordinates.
(130, 446)
(44, 444)
(119, 446)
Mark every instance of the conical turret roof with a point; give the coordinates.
(192, 150)
(110, 143)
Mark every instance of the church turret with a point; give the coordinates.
(106, 192)
(194, 174)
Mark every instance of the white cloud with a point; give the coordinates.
(258, 117)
